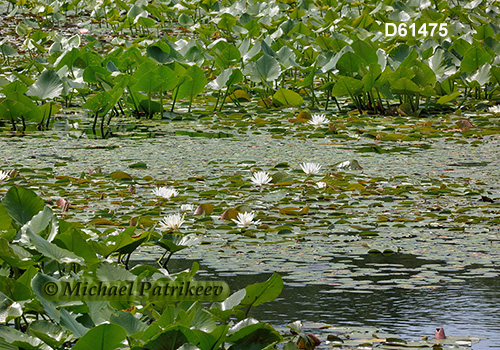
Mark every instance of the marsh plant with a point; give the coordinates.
(48, 248)
(229, 54)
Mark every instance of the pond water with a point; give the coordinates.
(454, 273)
(470, 309)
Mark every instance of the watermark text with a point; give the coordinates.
(90, 289)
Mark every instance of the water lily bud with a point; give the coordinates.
(439, 333)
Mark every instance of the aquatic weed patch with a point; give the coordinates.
(145, 60)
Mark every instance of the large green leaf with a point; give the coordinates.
(148, 83)
(75, 241)
(129, 59)
(263, 292)
(96, 74)
(287, 97)
(370, 76)
(365, 50)
(158, 54)
(495, 74)
(40, 221)
(17, 106)
(87, 58)
(424, 75)
(14, 289)
(347, 86)
(47, 86)
(226, 22)
(9, 310)
(145, 77)
(50, 333)
(52, 251)
(49, 307)
(14, 255)
(69, 322)
(5, 219)
(103, 337)
(14, 87)
(252, 334)
(227, 77)
(194, 55)
(480, 77)
(67, 58)
(405, 86)
(226, 55)
(349, 63)
(212, 340)
(62, 316)
(17, 338)
(483, 32)
(129, 322)
(7, 50)
(123, 242)
(225, 308)
(168, 79)
(474, 59)
(171, 339)
(267, 68)
(22, 204)
(99, 104)
(112, 272)
(193, 86)
(221, 80)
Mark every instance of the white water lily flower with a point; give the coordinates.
(246, 219)
(494, 109)
(165, 192)
(187, 207)
(261, 178)
(321, 184)
(310, 168)
(172, 222)
(3, 175)
(318, 120)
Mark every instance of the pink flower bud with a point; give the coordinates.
(439, 333)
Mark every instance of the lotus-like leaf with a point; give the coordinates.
(47, 86)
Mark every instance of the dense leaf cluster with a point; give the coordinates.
(280, 52)
(37, 247)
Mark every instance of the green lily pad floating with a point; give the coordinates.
(281, 178)
(139, 165)
(120, 175)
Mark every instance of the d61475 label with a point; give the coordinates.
(416, 30)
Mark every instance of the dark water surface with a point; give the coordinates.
(470, 309)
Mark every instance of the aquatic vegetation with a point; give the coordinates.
(79, 256)
(146, 60)
(165, 192)
(187, 208)
(172, 222)
(318, 120)
(494, 109)
(260, 178)
(151, 74)
(321, 184)
(439, 333)
(310, 168)
(246, 219)
(4, 175)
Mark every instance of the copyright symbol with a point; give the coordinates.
(50, 288)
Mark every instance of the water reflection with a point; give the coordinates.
(470, 309)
